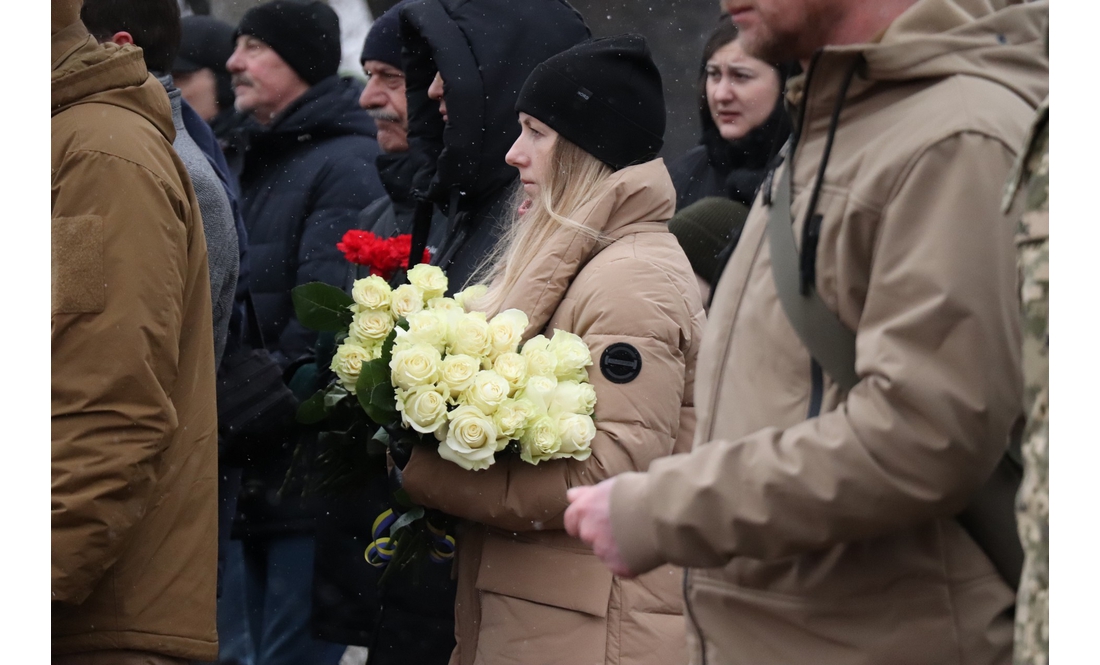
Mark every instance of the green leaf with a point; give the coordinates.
(379, 443)
(382, 437)
(322, 307)
(387, 344)
(333, 395)
(321, 404)
(406, 519)
(409, 546)
(402, 499)
(314, 409)
(375, 392)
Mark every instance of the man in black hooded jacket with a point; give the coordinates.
(409, 619)
(307, 173)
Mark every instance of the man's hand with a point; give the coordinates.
(588, 517)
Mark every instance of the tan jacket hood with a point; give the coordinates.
(84, 71)
(974, 37)
(633, 199)
(991, 39)
(63, 13)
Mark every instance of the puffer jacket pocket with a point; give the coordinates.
(541, 604)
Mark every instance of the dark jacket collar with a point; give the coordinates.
(328, 109)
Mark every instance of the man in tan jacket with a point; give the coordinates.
(134, 449)
(818, 523)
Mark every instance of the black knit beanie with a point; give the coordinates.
(304, 34)
(207, 43)
(383, 42)
(604, 95)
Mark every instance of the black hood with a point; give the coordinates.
(485, 50)
(328, 109)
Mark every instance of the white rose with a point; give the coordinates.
(468, 334)
(371, 293)
(430, 279)
(488, 391)
(347, 362)
(572, 397)
(422, 408)
(577, 432)
(513, 367)
(540, 360)
(370, 325)
(428, 327)
(470, 294)
(405, 300)
(471, 439)
(458, 373)
(511, 418)
(571, 353)
(506, 331)
(539, 390)
(446, 305)
(416, 365)
(540, 440)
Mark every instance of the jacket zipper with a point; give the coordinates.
(694, 623)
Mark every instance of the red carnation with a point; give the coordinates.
(382, 256)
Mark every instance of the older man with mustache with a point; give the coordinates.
(817, 511)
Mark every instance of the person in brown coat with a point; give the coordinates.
(591, 255)
(819, 523)
(134, 447)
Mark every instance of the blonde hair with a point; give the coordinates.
(573, 179)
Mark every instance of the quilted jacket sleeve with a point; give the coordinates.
(636, 422)
(118, 282)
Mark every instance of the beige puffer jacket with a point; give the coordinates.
(820, 526)
(529, 593)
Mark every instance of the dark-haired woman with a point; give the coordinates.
(744, 123)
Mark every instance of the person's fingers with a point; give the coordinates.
(572, 520)
(574, 493)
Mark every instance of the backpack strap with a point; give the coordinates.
(830, 343)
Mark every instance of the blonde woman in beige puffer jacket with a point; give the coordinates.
(590, 254)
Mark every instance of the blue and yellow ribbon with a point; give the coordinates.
(381, 550)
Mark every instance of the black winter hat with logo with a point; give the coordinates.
(305, 34)
(605, 95)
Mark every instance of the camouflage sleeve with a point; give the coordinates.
(1032, 239)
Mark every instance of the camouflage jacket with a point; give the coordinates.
(1029, 182)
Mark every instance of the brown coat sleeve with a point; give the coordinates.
(938, 353)
(119, 258)
(636, 422)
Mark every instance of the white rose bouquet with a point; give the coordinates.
(424, 369)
